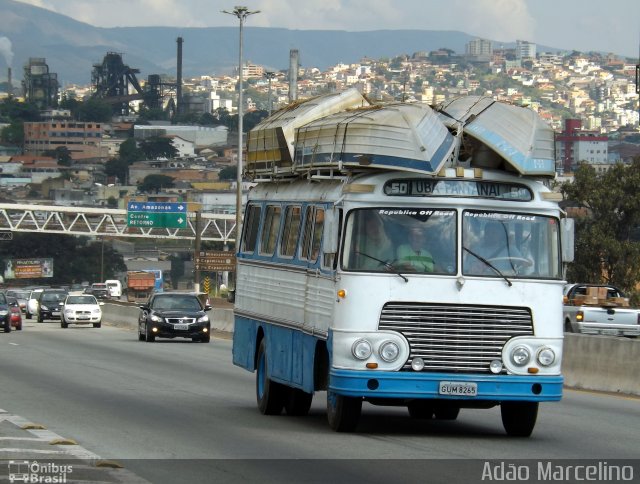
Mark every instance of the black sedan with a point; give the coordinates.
(174, 315)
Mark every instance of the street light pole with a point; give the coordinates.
(242, 13)
(269, 76)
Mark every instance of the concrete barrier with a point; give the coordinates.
(602, 363)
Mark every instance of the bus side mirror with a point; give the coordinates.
(567, 239)
(331, 222)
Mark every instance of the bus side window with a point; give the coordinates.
(270, 229)
(291, 230)
(251, 225)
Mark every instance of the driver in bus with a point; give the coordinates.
(414, 255)
(375, 248)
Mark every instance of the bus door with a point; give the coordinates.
(317, 285)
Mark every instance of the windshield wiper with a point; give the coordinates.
(387, 265)
(479, 257)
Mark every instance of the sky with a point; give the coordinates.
(584, 25)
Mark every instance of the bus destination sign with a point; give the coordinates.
(421, 187)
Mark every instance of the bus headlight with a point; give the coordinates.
(389, 351)
(520, 356)
(361, 349)
(546, 356)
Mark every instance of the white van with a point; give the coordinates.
(115, 287)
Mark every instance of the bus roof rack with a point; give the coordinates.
(341, 133)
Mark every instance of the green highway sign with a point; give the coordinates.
(157, 220)
(157, 215)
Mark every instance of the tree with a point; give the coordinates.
(13, 134)
(226, 119)
(606, 249)
(155, 183)
(13, 110)
(158, 147)
(117, 167)
(153, 114)
(71, 103)
(252, 118)
(228, 173)
(130, 152)
(61, 154)
(95, 110)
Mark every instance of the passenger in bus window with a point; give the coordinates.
(415, 255)
(375, 248)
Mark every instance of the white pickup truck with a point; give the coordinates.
(593, 309)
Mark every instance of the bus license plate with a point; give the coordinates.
(465, 389)
(180, 326)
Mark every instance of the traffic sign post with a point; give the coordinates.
(157, 215)
(215, 261)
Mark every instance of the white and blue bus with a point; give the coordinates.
(334, 294)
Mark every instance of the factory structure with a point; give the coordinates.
(117, 84)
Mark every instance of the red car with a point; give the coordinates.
(15, 314)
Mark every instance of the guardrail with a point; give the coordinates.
(601, 363)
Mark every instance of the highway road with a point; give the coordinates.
(176, 411)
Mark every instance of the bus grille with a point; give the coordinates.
(455, 338)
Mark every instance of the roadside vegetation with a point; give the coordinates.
(606, 209)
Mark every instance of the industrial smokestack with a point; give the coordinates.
(293, 74)
(179, 78)
(9, 86)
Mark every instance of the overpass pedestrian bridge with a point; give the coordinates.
(53, 219)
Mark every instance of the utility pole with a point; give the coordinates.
(196, 250)
(242, 13)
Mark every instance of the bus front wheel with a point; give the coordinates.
(343, 412)
(519, 418)
(269, 394)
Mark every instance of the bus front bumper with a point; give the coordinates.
(421, 385)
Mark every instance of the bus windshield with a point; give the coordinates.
(494, 244)
(510, 245)
(401, 240)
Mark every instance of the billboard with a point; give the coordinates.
(28, 268)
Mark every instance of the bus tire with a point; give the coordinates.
(269, 394)
(343, 413)
(420, 410)
(446, 413)
(519, 418)
(297, 402)
(567, 327)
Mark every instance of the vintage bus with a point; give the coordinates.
(322, 303)
(402, 255)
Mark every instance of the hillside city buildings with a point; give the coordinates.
(590, 100)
